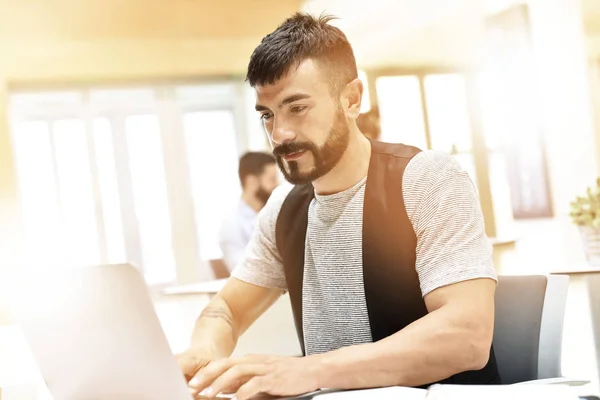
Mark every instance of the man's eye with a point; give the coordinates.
(266, 116)
(298, 109)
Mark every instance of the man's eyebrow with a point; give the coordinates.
(294, 97)
(290, 99)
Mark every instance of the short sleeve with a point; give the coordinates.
(443, 207)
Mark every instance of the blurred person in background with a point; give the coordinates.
(380, 246)
(258, 176)
(368, 123)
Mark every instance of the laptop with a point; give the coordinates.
(94, 334)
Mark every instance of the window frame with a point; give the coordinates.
(189, 267)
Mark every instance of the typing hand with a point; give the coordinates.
(193, 360)
(252, 375)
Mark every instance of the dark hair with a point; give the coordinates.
(253, 163)
(369, 123)
(298, 38)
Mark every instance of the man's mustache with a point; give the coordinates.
(289, 148)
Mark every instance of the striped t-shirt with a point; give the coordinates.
(443, 207)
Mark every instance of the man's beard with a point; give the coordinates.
(325, 157)
(262, 194)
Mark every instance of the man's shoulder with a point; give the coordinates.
(429, 172)
(431, 165)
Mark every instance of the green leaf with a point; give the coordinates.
(585, 210)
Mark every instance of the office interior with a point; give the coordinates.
(121, 125)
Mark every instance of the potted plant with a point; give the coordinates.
(585, 213)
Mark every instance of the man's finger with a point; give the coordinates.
(260, 359)
(190, 365)
(208, 374)
(236, 376)
(256, 385)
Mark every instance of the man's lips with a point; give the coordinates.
(294, 156)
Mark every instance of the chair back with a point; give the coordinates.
(528, 326)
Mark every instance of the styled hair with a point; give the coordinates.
(298, 38)
(253, 163)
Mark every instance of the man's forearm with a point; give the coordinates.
(421, 353)
(215, 330)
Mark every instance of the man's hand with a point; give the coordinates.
(252, 375)
(191, 361)
(222, 321)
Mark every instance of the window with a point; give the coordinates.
(57, 198)
(109, 191)
(39, 194)
(400, 100)
(213, 162)
(400, 109)
(150, 197)
(448, 112)
(449, 118)
(75, 193)
(113, 175)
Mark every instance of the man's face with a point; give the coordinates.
(307, 127)
(267, 182)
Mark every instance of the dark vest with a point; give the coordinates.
(391, 283)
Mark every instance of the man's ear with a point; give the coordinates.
(352, 97)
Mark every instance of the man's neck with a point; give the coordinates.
(351, 168)
(252, 201)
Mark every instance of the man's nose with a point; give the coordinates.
(282, 132)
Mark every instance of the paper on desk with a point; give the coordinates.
(457, 392)
(388, 393)
(450, 392)
(500, 392)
